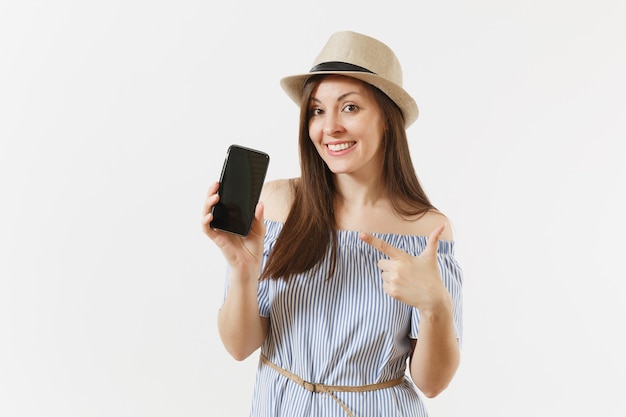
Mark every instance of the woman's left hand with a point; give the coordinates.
(414, 280)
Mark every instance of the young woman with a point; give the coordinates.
(349, 272)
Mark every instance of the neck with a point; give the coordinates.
(355, 192)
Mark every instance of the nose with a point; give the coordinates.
(332, 125)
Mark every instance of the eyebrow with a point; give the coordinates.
(341, 97)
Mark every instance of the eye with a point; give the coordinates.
(315, 111)
(350, 108)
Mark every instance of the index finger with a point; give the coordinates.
(382, 246)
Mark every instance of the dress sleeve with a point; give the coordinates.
(452, 277)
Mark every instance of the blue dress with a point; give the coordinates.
(343, 331)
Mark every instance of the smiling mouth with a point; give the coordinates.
(336, 147)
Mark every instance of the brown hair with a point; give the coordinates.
(310, 227)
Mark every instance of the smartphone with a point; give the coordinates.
(241, 181)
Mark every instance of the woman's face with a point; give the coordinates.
(346, 126)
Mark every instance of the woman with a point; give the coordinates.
(349, 271)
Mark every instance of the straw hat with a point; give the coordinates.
(362, 57)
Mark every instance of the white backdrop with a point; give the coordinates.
(115, 117)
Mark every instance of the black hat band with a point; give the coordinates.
(338, 66)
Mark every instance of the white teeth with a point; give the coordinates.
(340, 146)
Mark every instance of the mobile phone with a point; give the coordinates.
(241, 181)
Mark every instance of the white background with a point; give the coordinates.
(115, 117)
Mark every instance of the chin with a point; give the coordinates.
(338, 171)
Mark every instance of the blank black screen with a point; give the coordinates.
(242, 179)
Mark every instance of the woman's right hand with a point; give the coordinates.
(242, 253)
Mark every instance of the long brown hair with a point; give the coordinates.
(310, 227)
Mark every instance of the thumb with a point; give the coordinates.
(258, 226)
(433, 241)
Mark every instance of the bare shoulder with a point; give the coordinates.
(277, 197)
(431, 220)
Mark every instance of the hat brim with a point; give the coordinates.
(294, 84)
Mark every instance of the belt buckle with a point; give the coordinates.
(309, 386)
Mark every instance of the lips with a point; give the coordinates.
(338, 147)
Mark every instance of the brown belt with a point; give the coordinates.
(331, 389)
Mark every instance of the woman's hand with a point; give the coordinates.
(243, 253)
(414, 280)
